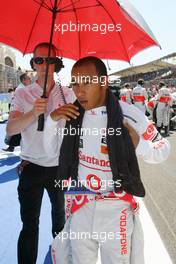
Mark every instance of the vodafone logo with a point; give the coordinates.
(93, 182)
(150, 132)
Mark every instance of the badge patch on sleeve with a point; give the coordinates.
(104, 148)
(150, 133)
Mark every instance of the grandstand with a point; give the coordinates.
(163, 68)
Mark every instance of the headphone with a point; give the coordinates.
(58, 65)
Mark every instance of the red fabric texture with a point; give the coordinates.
(24, 24)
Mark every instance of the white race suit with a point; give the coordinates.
(163, 108)
(140, 95)
(96, 222)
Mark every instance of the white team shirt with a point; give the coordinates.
(125, 95)
(152, 147)
(32, 143)
(164, 96)
(139, 91)
(94, 170)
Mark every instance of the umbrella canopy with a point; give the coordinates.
(108, 29)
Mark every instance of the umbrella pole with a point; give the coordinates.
(41, 118)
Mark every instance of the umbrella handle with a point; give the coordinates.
(41, 119)
(40, 123)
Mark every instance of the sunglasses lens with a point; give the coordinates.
(39, 60)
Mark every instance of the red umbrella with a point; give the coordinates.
(108, 29)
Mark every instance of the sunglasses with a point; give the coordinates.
(48, 60)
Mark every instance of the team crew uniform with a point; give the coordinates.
(150, 106)
(163, 108)
(139, 95)
(103, 210)
(125, 95)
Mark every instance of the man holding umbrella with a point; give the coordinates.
(37, 170)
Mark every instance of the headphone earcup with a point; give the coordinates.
(32, 64)
(58, 65)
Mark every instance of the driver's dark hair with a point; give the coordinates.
(161, 84)
(99, 64)
(141, 82)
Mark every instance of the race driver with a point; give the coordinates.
(100, 154)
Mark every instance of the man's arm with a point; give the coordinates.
(54, 127)
(145, 94)
(19, 121)
(151, 147)
(55, 123)
(153, 150)
(133, 134)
